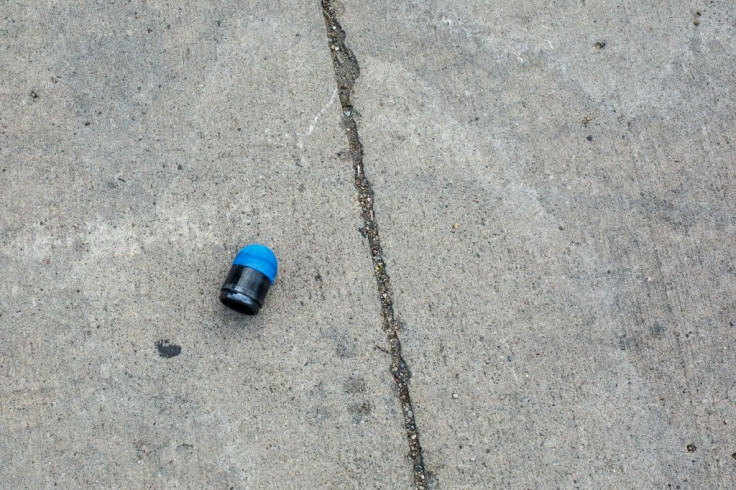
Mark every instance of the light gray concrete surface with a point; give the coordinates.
(141, 145)
(555, 188)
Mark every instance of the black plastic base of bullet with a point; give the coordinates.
(239, 302)
(244, 290)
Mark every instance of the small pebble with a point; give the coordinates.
(455, 396)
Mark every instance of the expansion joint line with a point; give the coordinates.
(346, 72)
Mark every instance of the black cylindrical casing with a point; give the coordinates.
(244, 290)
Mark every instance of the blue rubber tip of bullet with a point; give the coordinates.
(260, 258)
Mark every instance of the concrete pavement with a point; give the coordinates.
(130, 180)
(551, 188)
(554, 186)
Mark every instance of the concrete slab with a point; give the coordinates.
(142, 144)
(554, 186)
(554, 190)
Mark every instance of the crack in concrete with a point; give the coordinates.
(346, 72)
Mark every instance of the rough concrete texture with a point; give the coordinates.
(554, 190)
(159, 141)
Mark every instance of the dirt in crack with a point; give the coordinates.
(346, 72)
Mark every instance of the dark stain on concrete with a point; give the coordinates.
(166, 349)
(342, 343)
(657, 330)
(360, 412)
(354, 385)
